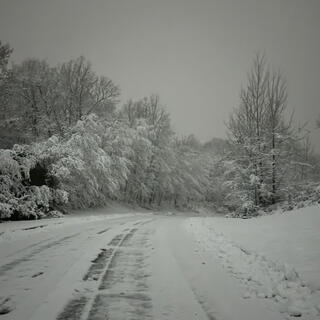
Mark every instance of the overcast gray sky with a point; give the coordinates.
(194, 54)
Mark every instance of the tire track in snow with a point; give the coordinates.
(123, 289)
(9, 266)
(27, 247)
(73, 309)
(103, 231)
(204, 305)
(98, 265)
(102, 270)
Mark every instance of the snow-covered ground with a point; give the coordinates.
(275, 257)
(93, 266)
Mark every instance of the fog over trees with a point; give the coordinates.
(68, 143)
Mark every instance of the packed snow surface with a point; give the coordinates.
(138, 265)
(275, 257)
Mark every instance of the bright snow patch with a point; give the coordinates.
(274, 257)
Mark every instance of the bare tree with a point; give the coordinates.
(246, 125)
(104, 94)
(77, 79)
(5, 53)
(84, 92)
(276, 105)
(259, 127)
(318, 122)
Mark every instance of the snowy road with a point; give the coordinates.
(138, 266)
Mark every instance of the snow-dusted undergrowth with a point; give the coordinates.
(19, 198)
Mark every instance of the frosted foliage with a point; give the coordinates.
(90, 163)
(134, 156)
(19, 199)
(9, 166)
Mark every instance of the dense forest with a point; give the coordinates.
(66, 142)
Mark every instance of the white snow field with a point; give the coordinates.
(274, 257)
(149, 266)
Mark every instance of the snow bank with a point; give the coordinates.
(274, 257)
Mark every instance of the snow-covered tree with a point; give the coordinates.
(262, 135)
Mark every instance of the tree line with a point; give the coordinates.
(67, 142)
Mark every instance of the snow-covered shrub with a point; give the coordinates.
(301, 195)
(5, 210)
(19, 199)
(55, 214)
(11, 175)
(247, 209)
(60, 197)
(240, 184)
(41, 196)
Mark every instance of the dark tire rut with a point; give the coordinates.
(117, 281)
